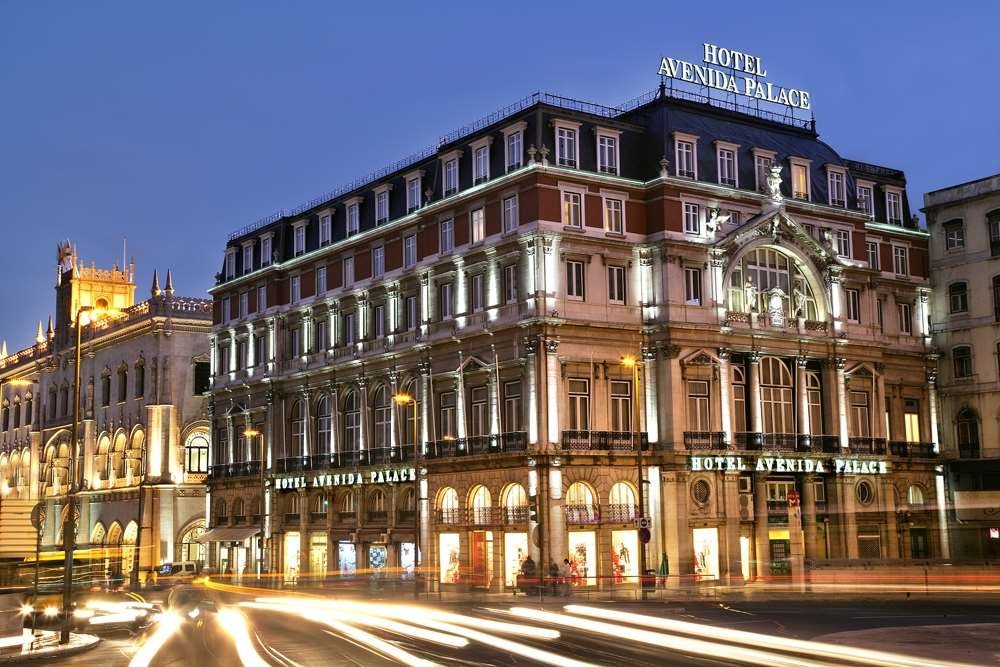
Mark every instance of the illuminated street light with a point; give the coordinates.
(403, 399)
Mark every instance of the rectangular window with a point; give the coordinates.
(230, 263)
(227, 311)
(698, 407)
(614, 217)
(247, 259)
(900, 260)
(762, 167)
(325, 229)
(261, 298)
(837, 187)
(477, 296)
(735, 217)
(684, 158)
(510, 214)
(411, 313)
(447, 425)
(905, 318)
(993, 221)
(880, 314)
(353, 219)
(579, 404)
(866, 201)
(575, 281)
(894, 207)
(259, 349)
(413, 194)
(348, 271)
(958, 297)
(478, 421)
(954, 235)
(296, 288)
(853, 298)
(447, 304)
(510, 283)
(321, 280)
(607, 154)
(873, 254)
(244, 304)
(378, 320)
(621, 405)
(450, 177)
(322, 335)
(382, 207)
(692, 287)
(860, 415)
(265, 251)
(727, 167)
(911, 419)
(378, 261)
(477, 220)
(842, 239)
(294, 343)
(565, 147)
(515, 150)
(481, 164)
(447, 233)
(800, 181)
(573, 209)
(616, 284)
(512, 406)
(996, 298)
(692, 221)
(299, 240)
(350, 328)
(410, 250)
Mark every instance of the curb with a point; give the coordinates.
(46, 653)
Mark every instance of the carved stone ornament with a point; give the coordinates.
(774, 183)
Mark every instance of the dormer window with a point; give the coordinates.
(836, 183)
(514, 145)
(567, 146)
(894, 207)
(413, 196)
(685, 155)
(295, 288)
(230, 263)
(353, 216)
(247, 257)
(265, 250)
(800, 179)
(866, 198)
(449, 169)
(762, 161)
(727, 164)
(382, 206)
(325, 229)
(607, 151)
(481, 160)
(299, 238)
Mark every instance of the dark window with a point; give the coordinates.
(105, 390)
(122, 384)
(996, 298)
(202, 374)
(28, 404)
(6, 417)
(962, 361)
(954, 234)
(967, 427)
(958, 297)
(993, 221)
(140, 380)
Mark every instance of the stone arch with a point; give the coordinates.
(810, 271)
(188, 546)
(98, 534)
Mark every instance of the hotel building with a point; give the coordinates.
(143, 431)
(569, 293)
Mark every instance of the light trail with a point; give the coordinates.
(866, 656)
(235, 626)
(169, 623)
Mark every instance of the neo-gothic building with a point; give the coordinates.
(143, 426)
(964, 221)
(774, 294)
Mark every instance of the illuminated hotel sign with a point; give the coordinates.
(385, 476)
(789, 464)
(734, 72)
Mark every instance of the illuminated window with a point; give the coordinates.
(800, 180)
(510, 214)
(911, 419)
(477, 221)
(450, 177)
(573, 209)
(614, 216)
(866, 200)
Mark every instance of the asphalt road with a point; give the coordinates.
(295, 635)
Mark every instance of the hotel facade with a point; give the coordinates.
(668, 314)
(143, 433)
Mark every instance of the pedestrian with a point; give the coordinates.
(564, 577)
(528, 572)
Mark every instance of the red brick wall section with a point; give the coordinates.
(217, 310)
(593, 211)
(548, 204)
(427, 240)
(494, 215)
(252, 300)
(307, 284)
(462, 226)
(363, 264)
(635, 217)
(335, 274)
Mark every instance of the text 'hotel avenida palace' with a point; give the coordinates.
(539, 294)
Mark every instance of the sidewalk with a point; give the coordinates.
(52, 648)
(975, 644)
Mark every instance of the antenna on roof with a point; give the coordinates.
(124, 252)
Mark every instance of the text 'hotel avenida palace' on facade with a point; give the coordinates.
(540, 286)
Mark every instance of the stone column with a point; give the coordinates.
(796, 547)
(843, 428)
(725, 396)
(756, 411)
(272, 344)
(557, 530)
(426, 436)
(881, 404)
(762, 538)
(394, 408)
(932, 407)
(213, 357)
(232, 354)
(552, 390)
(650, 397)
(891, 523)
(307, 426)
(333, 325)
(251, 348)
(677, 533)
(809, 515)
(847, 517)
(802, 396)
(460, 429)
(531, 368)
(733, 561)
(303, 532)
(494, 405)
(308, 345)
(365, 419)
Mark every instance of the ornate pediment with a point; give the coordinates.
(778, 228)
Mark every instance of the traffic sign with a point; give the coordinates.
(643, 522)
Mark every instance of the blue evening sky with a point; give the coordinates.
(174, 123)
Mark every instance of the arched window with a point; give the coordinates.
(915, 496)
(64, 400)
(447, 505)
(515, 503)
(17, 412)
(324, 421)
(352, 423)
(768, 281)
(580, 506)
(128, 548)
(238, 512)
(382, 418)
(4, 469)
(52, 403)
(98, 534)
(122, 383)
(293, 506)
(319, 505)
(376, 506)
(298, 416)
(967, 430)
(776, 396)
(134, 457)
(961, 358)
(348, 504)
(28, 405)
(102, 462)
(408, 501)
(190, 548)
(958, 297)
(622, 505)
(814, 394)
(481, 503)
(6, 415)
(196, 454)
(140, 379)
(221, 517)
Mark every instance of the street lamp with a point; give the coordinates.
(404, 400)
(630, 362)
(253, 433)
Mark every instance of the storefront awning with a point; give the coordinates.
(227, 534)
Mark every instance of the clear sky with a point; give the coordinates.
(174, 123)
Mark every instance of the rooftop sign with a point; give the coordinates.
(740, 74)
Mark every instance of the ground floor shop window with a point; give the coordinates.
(407, 559)
(347, 558)
(515, 550)
(482, 558)
(583, 557)
(745, 557)
(869, 545)
(624, 556)
(292, 544)
(378, 558)
(317, 553)
(706, 552)
(449, 555)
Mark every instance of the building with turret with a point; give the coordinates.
(142, 435)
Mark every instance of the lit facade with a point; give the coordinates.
(964, 221)
(778, 318)
(143, 426)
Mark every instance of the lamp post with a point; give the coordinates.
(69, 524)
(253, 433)
(404, 400)
(633, 363)
(134, 576)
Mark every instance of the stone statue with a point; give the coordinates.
(715, 221)
(800, 300)
(750, 296)
(774, 183)
(776, 306)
